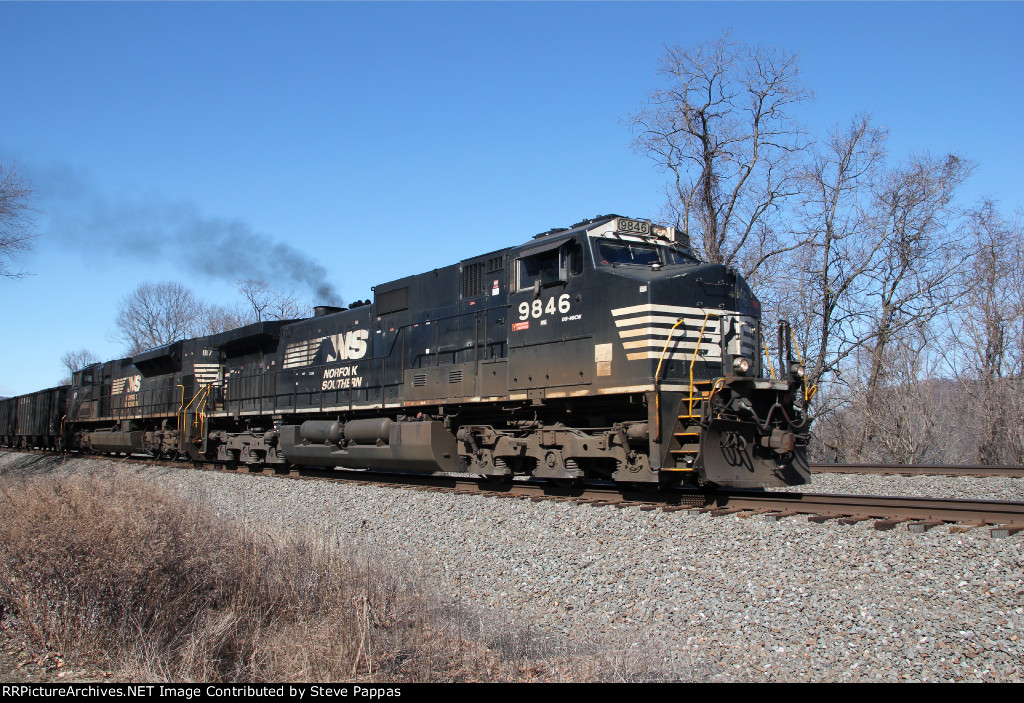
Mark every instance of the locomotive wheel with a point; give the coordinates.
(567, 482)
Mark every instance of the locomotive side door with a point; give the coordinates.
(547, 348)
(491, 330)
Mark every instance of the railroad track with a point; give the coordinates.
(919, 469)
(1004, 518)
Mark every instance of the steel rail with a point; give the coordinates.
(920, 469)
(900, 508)
(889, 511)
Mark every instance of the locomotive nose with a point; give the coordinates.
(711, 287)
(704, 316)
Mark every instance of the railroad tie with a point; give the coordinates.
(923, 526)
(1003, 531)
(890, 523)
(776, 516)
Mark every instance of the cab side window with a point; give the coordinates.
(546, 266)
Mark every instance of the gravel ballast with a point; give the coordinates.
(720, 598)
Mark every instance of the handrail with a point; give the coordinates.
(181, 411)
(808, 393)
(696, 350)
(200, 396)
(657, 377)
(201, 409)
(668, 341)
(693, 361)
(768, 356)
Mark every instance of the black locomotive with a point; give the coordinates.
(604, 350)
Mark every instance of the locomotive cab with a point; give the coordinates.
(693, 331)
(616, 318)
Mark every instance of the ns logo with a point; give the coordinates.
(129, 384)
(347, 345)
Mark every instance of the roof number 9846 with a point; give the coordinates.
(634, 226)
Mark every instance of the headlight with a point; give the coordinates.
(797, 370)
(741, 365)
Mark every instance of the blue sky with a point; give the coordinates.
(377, 140)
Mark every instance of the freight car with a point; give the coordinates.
(604, 350)
(34, 420)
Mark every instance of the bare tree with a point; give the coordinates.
(723, 132)
(16, 219)
(989, 341)
(879, 250)
(155, 314)
(823, 277)
(261, 303)
(909, 419)
(821, 287)
(76, 360)
(270, 304)
(921, 251)
(220, 318)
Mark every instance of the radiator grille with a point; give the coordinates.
(472, 280)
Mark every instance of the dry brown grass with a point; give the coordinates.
(116, 570)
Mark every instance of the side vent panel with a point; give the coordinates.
(472, 280)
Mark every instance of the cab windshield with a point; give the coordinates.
(621, 252)
(678, 256)
(612, 252)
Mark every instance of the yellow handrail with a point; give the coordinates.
(767, 356)
(199, 399)
(201, 410)
(696, 350)
(808, 393)
(181, 409)
(796, 347)
(657, 375)
(718, 385)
